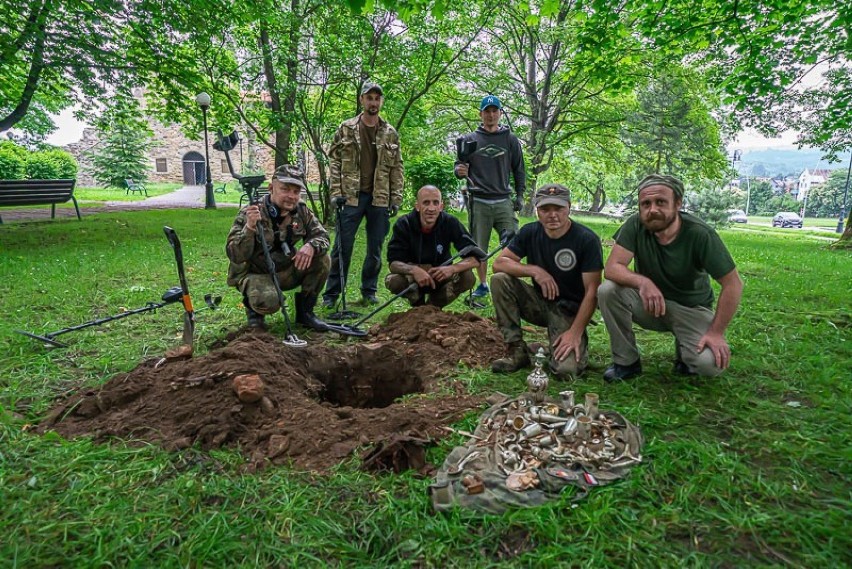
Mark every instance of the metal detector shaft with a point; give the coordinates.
(172, 295)
(463, 253)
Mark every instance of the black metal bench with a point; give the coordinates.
(14, 193)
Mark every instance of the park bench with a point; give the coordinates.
(15, 193)
(135, 187)
(260, 193)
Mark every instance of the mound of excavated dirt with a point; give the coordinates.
(319, 403)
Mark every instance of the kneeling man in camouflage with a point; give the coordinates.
(286, 221)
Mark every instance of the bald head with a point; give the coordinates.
(429, 205)
(428, 189)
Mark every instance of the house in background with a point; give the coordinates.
(178, 159)
(810, 178)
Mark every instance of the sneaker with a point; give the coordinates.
(329, 302)
(480, 291)
(618, 372)
(369, 299)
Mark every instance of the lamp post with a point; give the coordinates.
(842, 221)
(203, 100)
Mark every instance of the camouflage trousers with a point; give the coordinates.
(260, 290)
(514, 299)
(447, 291)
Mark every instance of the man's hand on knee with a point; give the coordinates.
(717, 344)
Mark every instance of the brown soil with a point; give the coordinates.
(319, 403)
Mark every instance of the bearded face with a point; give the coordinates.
(658, 207)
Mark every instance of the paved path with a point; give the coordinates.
(185, 197)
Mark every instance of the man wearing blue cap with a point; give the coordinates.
(491, 202)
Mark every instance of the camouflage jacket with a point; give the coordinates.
(246, 253)
(345, 155)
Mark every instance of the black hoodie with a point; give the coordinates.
(409, 244)
(497, 154)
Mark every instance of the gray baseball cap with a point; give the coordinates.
(372, 87)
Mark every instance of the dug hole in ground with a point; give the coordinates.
(311, 408)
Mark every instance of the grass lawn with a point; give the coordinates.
(751, 469)
(120, 194)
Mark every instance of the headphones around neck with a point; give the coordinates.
(271, 208)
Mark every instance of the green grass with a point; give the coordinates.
(120, 194)
(734, 476)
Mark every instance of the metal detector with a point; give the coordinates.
(465, 252)
(172, 295)
(343, 313)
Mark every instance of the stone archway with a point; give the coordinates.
(193, 169)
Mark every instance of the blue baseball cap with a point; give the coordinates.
(490, 101)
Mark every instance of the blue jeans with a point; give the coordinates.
(378, 225)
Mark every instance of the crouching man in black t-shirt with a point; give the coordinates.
(420, 244)
(564, 262)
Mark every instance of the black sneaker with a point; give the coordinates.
(369, 299)
(329, 302)
(618, 372)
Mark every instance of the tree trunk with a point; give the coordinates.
(282, 133)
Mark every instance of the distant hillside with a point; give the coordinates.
(784, 162)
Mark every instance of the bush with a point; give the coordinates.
(12, 165)
(50, 164)
(435, 169)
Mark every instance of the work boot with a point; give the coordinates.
(305, 316)
(680, 367)
(618, 372)
(255, 319)
(518, 358)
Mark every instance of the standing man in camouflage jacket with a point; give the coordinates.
(366, 182)
(286, 221)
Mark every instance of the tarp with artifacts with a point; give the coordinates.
(525, 452)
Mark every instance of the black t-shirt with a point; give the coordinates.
(565, 259)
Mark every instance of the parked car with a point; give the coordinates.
(738, 216)
(787, 219)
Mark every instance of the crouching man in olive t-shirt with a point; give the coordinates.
(668, 290)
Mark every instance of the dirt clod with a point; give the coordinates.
(311, 407)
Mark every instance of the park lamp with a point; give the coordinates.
(203, 100)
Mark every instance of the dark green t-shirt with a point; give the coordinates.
(680, 269)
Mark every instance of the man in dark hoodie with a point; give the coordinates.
(420, 243)
(491, 204)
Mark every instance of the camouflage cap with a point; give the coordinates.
(368, 86)
(553, 194)
(662, 180)
(289, 174)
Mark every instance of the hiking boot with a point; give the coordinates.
(618, 372)
(369, 299)
(329, 302)
(518, 358)
(481, 291)
(254, 319)
(305, 316)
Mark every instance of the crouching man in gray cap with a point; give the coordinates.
(564, 262)
(668, 289)
(286, 222)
